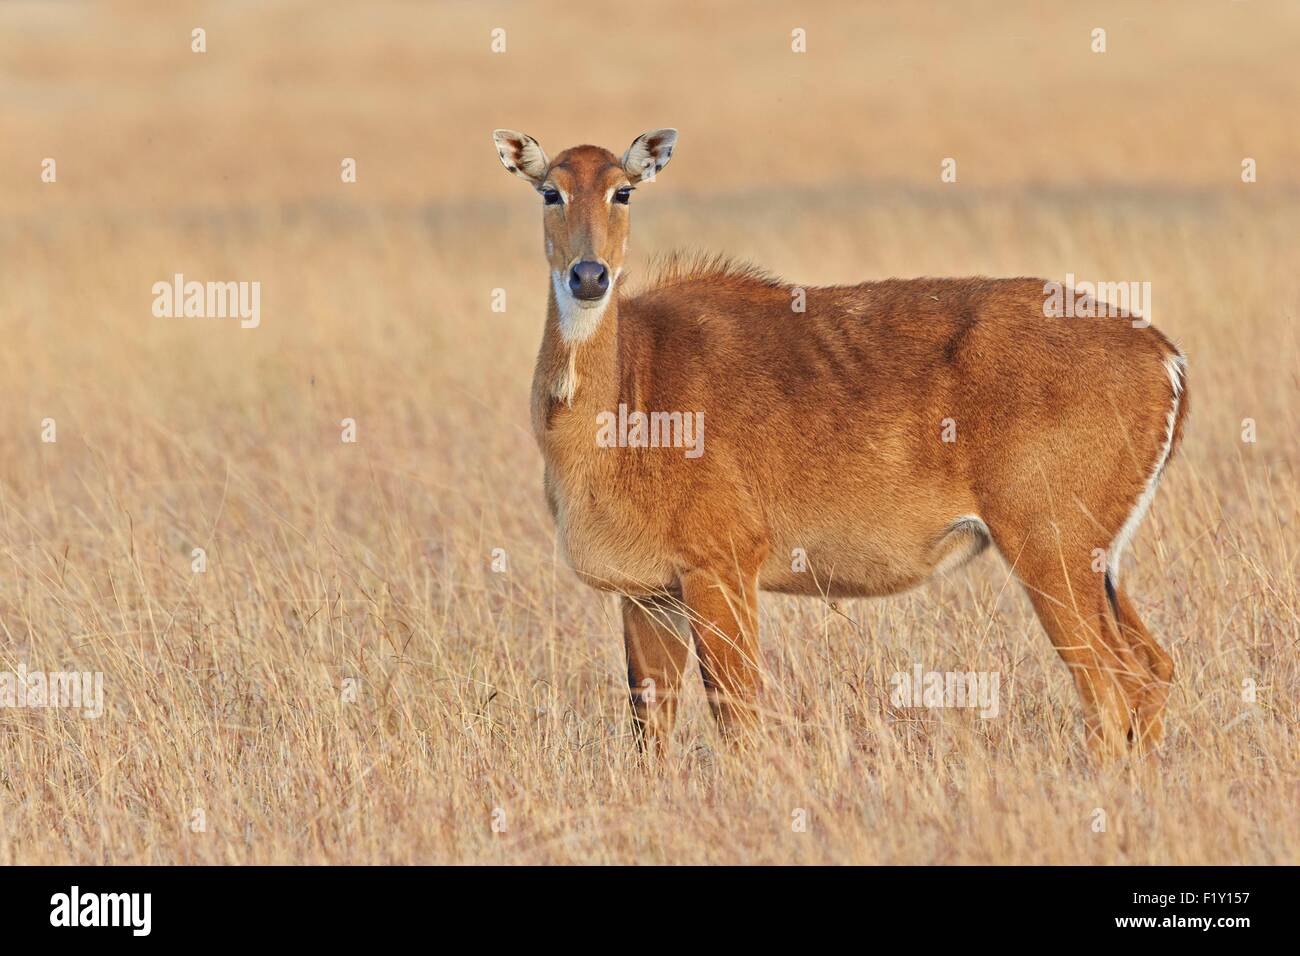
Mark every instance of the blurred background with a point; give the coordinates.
(328, 560)
(822, 166)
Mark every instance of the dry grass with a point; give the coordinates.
(329, 561)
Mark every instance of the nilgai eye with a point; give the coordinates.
(551, 197)
(623, 195)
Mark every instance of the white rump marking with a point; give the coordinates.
(1175, 366)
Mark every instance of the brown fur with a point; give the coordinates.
(823, 433)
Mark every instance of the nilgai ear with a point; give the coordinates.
(521, 154)
(648, 154)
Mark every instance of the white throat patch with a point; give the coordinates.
(578, 322)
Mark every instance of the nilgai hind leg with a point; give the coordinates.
(1149, 712)
(1121, 693)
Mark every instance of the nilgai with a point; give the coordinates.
(722, 432)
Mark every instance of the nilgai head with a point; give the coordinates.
(585, 194)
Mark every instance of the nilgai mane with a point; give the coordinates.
(889, 430)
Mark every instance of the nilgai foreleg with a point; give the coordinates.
(723, 610)
(658, 653)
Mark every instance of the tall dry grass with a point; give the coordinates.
(500, 697)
